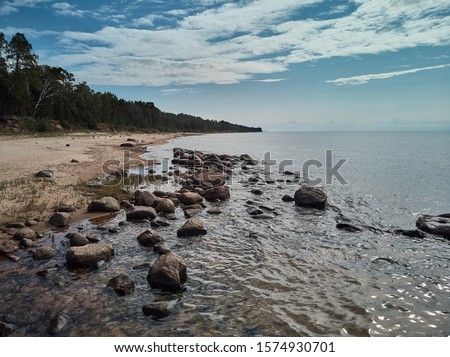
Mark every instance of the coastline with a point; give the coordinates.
(74, 159)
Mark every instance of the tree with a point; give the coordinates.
(19, 53)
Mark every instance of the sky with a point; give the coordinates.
(283, 65)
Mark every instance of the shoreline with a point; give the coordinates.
(73, 158)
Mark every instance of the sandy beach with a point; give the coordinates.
(74, 159)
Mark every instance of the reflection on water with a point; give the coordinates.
(295, 274)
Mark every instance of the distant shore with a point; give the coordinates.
(73, 158)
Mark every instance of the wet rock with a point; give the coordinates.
(189, 198)
(89, 255)
(253, 179)
(168, 272)
(17, 225)
(253, 211)
(26, 243)
(144, 198)
(412, 233)
(65, 208)
(157, 310)
(159, 223)
(44, 253)
(348, 227)
(6, 329)
(122, 284)
(288, 173)
(77, 239)
(262, 216)
(114, 229)
(31, 222)
(8, 247)
(105, 204)
(160, 194)
(59, 219)
(311, 197)
(165, 205)
(27, 233)
(190, 212)
(126, 205)
(171, 217)
(128, 144)
(288, 198)
(214, 210)
(142, 213)
(437, 225)
(149, 238)
(161, 248)
(256, 191)
(57, 323)
(221, 193)
(192, 227)
(45, 173)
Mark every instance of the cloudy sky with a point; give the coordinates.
(279, 64)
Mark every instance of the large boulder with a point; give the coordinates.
(27, 233)
(149, 238)
(77, 239)
(122, 284)
(221, 193)
(89, 255)
(168, 272)
(312, 197)
(142, 213)
(190, 198)
(144, 198)
(105, 204)
(438, 225)
(59, 219)
(192, 227)
(165, 205)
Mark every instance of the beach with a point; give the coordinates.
(74, 159)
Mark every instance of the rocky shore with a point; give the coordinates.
(203, 180)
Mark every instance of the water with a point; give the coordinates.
(293, 275)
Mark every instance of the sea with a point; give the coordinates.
(292, 274)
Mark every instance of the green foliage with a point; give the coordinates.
(48, 94)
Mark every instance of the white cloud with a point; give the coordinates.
(356, 80)
(10, 7)
(173, 91)
(269, 80)
(235, 41)
(66, 9)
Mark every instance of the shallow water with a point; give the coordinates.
(293, 275)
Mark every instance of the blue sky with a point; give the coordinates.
(278, 64)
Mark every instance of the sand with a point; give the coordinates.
(23, 196)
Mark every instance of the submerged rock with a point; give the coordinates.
(149, 238)
(438, 225)
(312, 197)
(253, 211)
(6, 329)
(168, 272)
(57, 323)
(413, 233)
(221, 193)
(161, 248)
(44, 253)
(157, 309)
(288, 198)
(122, 284)
(214, 210)
(348, 227)
(192, 227)
(89, 255)
(105, 204)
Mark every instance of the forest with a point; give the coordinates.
(40, 98)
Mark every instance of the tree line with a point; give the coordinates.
(47, 97)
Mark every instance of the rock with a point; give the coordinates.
(190, 212)
(437, 225)
(192, 227)
(89, 255)
(26, 243)
(160, 194)
(288, 198)
(128, 144)
(142, 213)
(17, 225)
(7, 247)
(312, 197)
(189, 198)
(25, 233)
(348, 227)
(165, 205)
(7, 329)
(413, 233)
(59, 219)
(157, 310)
(105, 204)
(122, 284)
(159, 223)
(65, 208)
(144, 198)
(262, 216)
(126, 205)
(75, 161)
(221, 193)
(214, 210)
(253, 211)
(31, 222)
(161, 248)
(256, 191)
(288, 173)
(43, 253)
(168, 272)
(45, 173)
(57, 323)
(77, 239)
(149, 238)
(92, 238)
